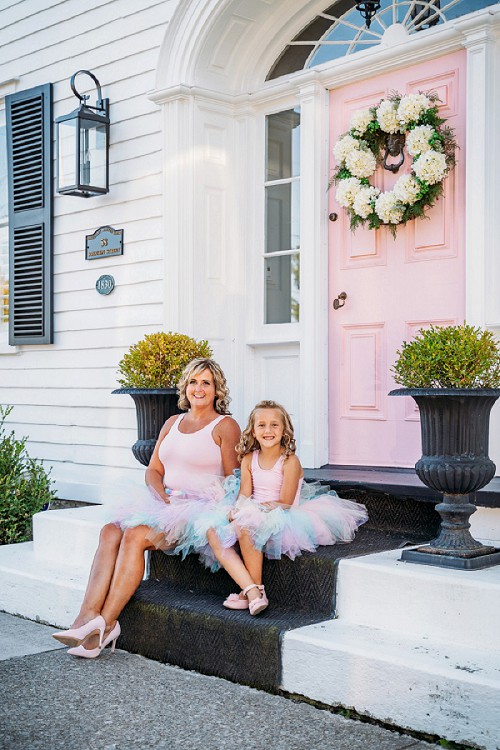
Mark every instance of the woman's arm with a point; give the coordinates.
(292, 474)
(227, 434)
(155, 470)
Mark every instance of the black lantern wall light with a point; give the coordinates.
(368, 9)
(83, 145)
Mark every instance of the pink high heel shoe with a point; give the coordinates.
(76, 636)
(257, 605)
(93, 653)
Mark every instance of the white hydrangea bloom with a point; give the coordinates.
(406, 189)
(347, 191)
(387, 208)
(363, 201)
(360, 120)
(417, 140)
(387, 117)
(430, 167)
(411, 107)
(344, 146)
(361, 163)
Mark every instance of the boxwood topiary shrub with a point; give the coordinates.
(158, 360)
(25, 486)
(459, 356)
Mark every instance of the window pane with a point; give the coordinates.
(282, 289)
(282, 145)
(4, 275)
(282, 217)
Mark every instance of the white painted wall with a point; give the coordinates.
(62, 393)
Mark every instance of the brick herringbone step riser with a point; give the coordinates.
(305, 584)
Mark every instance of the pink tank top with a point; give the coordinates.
(267, 483)
(190, 460)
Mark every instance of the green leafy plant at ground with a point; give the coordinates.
(158, 360)
(25, 486)
(459, 356)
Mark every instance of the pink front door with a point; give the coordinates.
(393, 287)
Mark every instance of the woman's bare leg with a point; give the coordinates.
(100, 575)
(126, 577)
(128, 573)
(232, 563)
(252, 558)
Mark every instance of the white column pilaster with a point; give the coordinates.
(313, 99)
(482, 165)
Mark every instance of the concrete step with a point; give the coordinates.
(46, 591)
(70, 534)
(461, 607)
(410, 682)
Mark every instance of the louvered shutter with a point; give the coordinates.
(29, 162)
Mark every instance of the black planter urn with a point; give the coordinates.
(454, 425)
(153, 407)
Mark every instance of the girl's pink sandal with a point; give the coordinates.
(234, 601)
(257, 605)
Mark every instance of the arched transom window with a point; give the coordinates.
(340, 30)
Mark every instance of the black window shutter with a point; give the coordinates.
(29, 164)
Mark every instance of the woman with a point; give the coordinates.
(194, 451)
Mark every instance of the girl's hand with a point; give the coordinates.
(271, 505)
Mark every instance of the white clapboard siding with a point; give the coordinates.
(130, 273)
(104, 214)
(24, 416)
(62, 393)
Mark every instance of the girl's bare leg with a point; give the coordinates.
(233, 564)
(101, 574)
(252, 558)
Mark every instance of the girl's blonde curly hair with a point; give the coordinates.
(248, 443)
(195, 367)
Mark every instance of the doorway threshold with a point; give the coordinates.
(396, 482)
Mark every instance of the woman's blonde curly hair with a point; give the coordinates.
(248, 443)
(195, 367)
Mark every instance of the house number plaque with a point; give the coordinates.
(104, 243)
(105, 284)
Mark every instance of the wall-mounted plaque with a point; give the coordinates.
(105, 284)
(104, 243)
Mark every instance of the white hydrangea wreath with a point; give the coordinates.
(358, 153)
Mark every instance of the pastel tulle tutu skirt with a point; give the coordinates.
(171, 523)
(320, 518)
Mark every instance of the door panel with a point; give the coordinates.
(393, 286)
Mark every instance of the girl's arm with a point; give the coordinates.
(155, 470)
(227, 434)
(246, 486)
(292, 474)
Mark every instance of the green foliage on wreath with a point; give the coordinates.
(25, 486)
(449, 357)
(158, 360)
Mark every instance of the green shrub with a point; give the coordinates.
(25, 486)
(449, 357)
(158, 360)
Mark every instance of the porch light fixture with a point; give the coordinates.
(83, 145)
(368, 8)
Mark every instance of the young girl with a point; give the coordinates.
(275, 514)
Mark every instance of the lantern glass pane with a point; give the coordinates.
(66, 159)
(92, 153)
